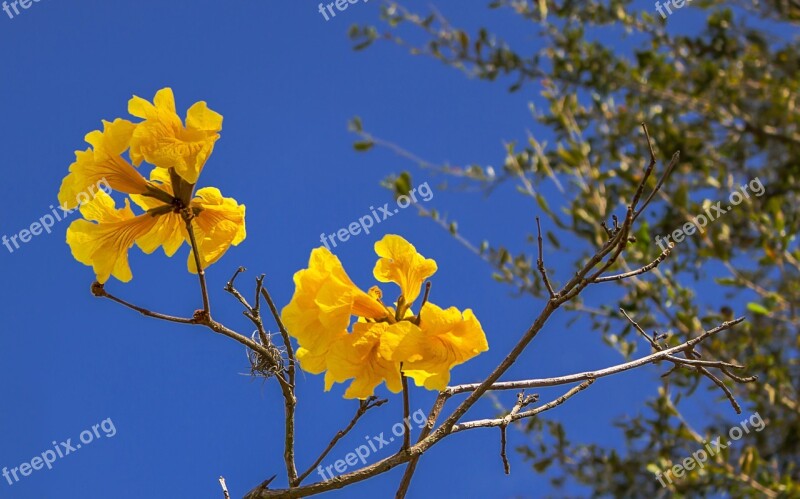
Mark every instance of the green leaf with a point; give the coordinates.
(757, 309)
(363, 146)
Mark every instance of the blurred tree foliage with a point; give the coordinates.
(726, 96)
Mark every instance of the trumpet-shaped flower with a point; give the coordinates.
(104, 245)
(385, 342)
(324, 302)
(218, 223)
(163, 140)
(447, 338)
(106, 234)
(401, 264)
(102, 162)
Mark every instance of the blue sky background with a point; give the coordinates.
(286, 82)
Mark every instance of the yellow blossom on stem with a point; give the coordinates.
(384, 343)
(106, 234)
(103, 162)
(163, 140)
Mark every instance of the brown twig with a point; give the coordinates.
(695, 363)
(650, 266)
(428, 438)
(522, 401)
(652, 340)
(503, 456)
(406, 411)
(284, 333)
(540, 261)
(99, 291)
(201, 273)
(430, 423)
(488, 423)
(224, 486)
(600, 373)
(363, 407)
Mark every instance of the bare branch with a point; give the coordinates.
(229, 287)
(406, 409)
(284, 333)
(488, 423)
(224, 486)
(438, 405)
(652, 340)
(540, 261)
(201, 273)
(650, 266)
(99, 291)
(572, 378)
(667, 172)
(503, 456)
(363, 407)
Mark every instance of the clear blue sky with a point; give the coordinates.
(286, 82)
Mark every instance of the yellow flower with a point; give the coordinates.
(104, 245)
(102, 163)
(163, 140)
(324, 301)
(365, 355)
(401, 264)
(383, 338)
(105, 236)
(218, 224)
(447, 338)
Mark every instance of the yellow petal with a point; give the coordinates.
(401, 264)
(102, 166)
(218, 226)
(104, 245)
(357, 356)
(162, 139)
(165, 100)
(321, 309)
(449, 337)
(200, 117)
(160, 178)
(167, 233)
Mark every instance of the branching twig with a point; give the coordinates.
(201, 272)
(540, 261)
(99, 291)
(363, 407)
(650, 266)
(224, 486)
(406, 411)
(608, 371)
(488, 423)
(430, 423)
(430, 438)
(695, 363)
(284, 333)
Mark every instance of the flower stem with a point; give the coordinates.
(406, 412)
(201, 273)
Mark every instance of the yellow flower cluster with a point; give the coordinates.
(384, 341)
(178, 153)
